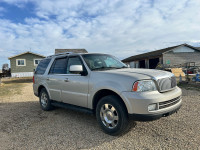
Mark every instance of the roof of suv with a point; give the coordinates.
(69, 53)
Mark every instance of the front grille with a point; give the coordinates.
(166, 84)
(169, 102)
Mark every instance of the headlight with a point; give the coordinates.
(144, 85)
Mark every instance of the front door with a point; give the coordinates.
(75, 86)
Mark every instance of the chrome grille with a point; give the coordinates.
(169, 102)
(166, 84)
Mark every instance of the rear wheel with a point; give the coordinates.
(111, 115)
(45, 102)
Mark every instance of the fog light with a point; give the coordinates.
(152, 107)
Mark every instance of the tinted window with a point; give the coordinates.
(59, 66)
(73, 61)
(41, 68)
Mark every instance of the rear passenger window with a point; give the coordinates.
(41, 68)
(59, 66)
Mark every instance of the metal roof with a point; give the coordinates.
(57, 51)
(156, 53)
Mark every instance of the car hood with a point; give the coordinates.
(141, 73)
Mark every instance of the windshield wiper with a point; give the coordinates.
(107, 68)
(102, 68)
(122, 67)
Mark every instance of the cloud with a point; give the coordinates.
(118, 27)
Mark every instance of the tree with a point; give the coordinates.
(5, 67)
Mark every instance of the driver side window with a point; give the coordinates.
(73, 61)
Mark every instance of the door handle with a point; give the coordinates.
(47, 79)
(66, 80)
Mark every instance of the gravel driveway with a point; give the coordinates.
(23, 125)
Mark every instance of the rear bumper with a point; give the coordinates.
(151, 117)
(35, 87)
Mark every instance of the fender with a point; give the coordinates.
(46, 87)
(106, 85)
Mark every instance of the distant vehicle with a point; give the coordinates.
(103, 85)
(192, 70)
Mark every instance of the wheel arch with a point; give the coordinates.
(102, 93)
(41, 87)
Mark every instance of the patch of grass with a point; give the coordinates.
(13, 86)
(17, 80)
(10, 89)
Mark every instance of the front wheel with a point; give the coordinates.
(111, 115)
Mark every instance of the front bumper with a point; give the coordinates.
(137, 102)
(147, 117)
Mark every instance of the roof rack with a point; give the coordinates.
(60, 54)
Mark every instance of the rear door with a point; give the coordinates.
(56, 76)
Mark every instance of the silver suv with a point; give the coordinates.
(103, 85)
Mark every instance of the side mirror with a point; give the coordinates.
(76, 68)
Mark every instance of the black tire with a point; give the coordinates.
(117, 127)
(48, 105)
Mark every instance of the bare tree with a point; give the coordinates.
(5, 67)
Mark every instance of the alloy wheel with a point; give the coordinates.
(44, 99)
(109, 116)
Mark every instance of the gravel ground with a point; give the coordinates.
(23, 125)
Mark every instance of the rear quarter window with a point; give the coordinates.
(41, 68)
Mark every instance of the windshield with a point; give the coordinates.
(102, 62)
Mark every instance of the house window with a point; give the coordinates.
(20, 62)
(36, 61)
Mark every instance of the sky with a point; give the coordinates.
(122, 28)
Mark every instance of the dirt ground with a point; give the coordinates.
(23, 125)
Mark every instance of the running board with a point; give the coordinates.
(72, 107)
